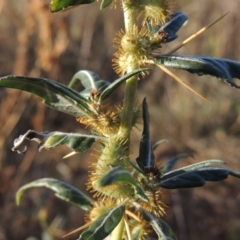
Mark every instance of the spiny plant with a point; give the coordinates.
(127, 196)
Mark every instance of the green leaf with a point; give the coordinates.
(191, 167)
(224, 69)
(77, 142)
(54, 94)
(159, 143)
(177, 20)
(59, 5)
(171, 162)
(104, 225)
(62, 190)
(90, 81)
(196, 178)
(146, 156)
(119, 174)
(105, 3)
(113, 86)
(161, 228)
(136, 231)
(134, 166)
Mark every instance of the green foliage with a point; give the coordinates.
(105, 3)
(54, 95)
(104, 225)
(146, 156)
(171, 27)
(195, 178)
(60, 5)
(89, 80)
(62, 190)
(117, 83)
(128, 198)
(77, 142)
(96, 89)
(217, 67)
(171, 162)
(119, 174)
(163, 231)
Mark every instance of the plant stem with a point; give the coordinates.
(128, 106)
(118, 231)
(131, 84)
(128, 17)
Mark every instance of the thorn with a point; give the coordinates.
(127, 228)
(70, 154)
(196, 35)
(133, 216)
(77, 229)
(181, 81)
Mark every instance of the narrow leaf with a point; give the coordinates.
(90, 81)
(136, 231)
(171, 162)
(113, 86)
(105, 3)
(159, 143)
(119, 174)
(54, 94)
(173, 25)
(77, 142)
(197, 178)
(134, 166)
(59, 5)
(104, 225)
(161, 228)
(146, 156)
(191, 167)
(224, 69)
(62, 190)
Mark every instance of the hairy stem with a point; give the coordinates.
(128, 106)
(131, 84)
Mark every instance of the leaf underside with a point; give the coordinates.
(161, 228)
(62, 190)
(119, 174)
(196, 178)
(90, 81)
(173, 25)
(55, 95)
(191, 167)
(75, 141)
(114, 85)
(224, 69)
(104, 225)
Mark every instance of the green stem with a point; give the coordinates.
(131, 84)
(129, 19)
(118, 231)
(128, 106)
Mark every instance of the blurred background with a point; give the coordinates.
(35, 42)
